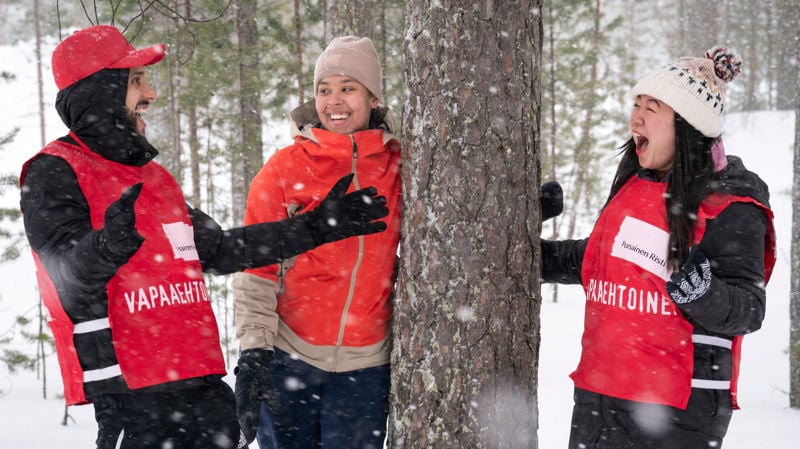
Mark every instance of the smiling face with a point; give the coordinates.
(139, 96)
(653, 126)
(343, 104)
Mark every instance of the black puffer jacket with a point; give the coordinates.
(734, 243)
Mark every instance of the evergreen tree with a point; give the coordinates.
(31, 327)
(12, 239)
(584, 81)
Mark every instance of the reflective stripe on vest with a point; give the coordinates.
(710, 340)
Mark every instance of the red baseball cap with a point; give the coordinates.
(98, 47)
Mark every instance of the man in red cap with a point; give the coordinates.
(120, 256)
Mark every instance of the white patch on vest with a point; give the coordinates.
(181, 236)
(643, 245)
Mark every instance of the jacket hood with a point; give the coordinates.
(734, 179)
(737, 180)
(94, 110)
(304, 118)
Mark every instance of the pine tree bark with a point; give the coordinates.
(43, 141)
(794, 295)
(466, 320)
(351, 17)
(298, 46)
(173, 159)
(192, 126)
(247, 157)
(784, 72)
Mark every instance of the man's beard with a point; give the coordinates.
(131, 121)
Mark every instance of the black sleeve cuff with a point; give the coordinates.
(562, 260)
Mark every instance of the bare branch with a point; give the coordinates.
(140, 17)
(85, 12)
(58, 16)
(114, 9)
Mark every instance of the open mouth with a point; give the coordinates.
(641, 142)
(339, 116)
(141, 110)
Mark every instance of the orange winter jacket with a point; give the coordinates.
(330, 306)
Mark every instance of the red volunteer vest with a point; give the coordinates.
(160, 316)
(636, 344)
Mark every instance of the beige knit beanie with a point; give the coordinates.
(695, 87)
(351, 56)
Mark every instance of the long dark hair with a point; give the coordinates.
(687, 184)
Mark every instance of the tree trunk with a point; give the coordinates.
(43, 142)
(247, 157)
(39, 80)
(550, 153)
(351, 17)
(174, 154)
(466, 320)
(381, 44)
(794, 295)
(752, 95)
(41, 353)
(194, 150)
(298, 46)
(66, 417)
(191, 126)
(787, 65)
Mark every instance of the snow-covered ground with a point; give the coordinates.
(764, 140)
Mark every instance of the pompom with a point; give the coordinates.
(727, 62)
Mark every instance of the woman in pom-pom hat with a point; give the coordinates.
(674, 270)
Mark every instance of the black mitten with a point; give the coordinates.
(253, 385)
(118, 240)
(342, 215)
(552, 200)
(693, 281)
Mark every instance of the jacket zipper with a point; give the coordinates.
(354, 272)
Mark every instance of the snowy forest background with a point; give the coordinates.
(235, 68)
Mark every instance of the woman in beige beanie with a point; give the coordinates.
(314, 331)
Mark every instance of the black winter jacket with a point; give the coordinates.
(57, 220)
(734, 243)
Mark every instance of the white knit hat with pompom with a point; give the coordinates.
(695, 87)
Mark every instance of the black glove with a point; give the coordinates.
(552, 200)
(343, 215)
(253, 385)
(118, 240)
(694, 279)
